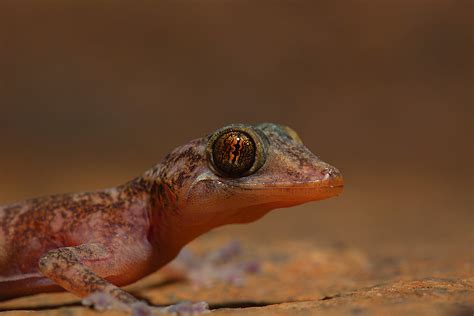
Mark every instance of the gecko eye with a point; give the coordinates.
(235, 152)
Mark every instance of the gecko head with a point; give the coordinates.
(240, 172)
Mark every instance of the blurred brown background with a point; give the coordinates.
(93, 93)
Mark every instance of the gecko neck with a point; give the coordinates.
(167, 231)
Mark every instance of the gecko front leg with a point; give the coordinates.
(77, 269)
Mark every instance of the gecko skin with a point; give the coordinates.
(96, 242)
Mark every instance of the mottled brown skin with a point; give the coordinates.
(98, 241)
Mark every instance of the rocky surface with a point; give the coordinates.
(301, 278)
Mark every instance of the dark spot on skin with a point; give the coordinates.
(179, 166)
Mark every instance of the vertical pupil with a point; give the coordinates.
(234, 149)
(234, 153)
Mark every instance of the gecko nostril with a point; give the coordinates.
(327, 171)
(330, 173)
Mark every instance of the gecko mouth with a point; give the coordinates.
(336, 183)
(295, 193)
(264, 199)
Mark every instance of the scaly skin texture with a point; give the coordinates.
(98, 241)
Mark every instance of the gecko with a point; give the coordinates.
(96, 242)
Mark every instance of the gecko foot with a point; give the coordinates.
(103, 301)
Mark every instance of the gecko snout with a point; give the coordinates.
(332, 176)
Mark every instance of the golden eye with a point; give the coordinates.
(236, 152)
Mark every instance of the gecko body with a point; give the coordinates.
(98, 241)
